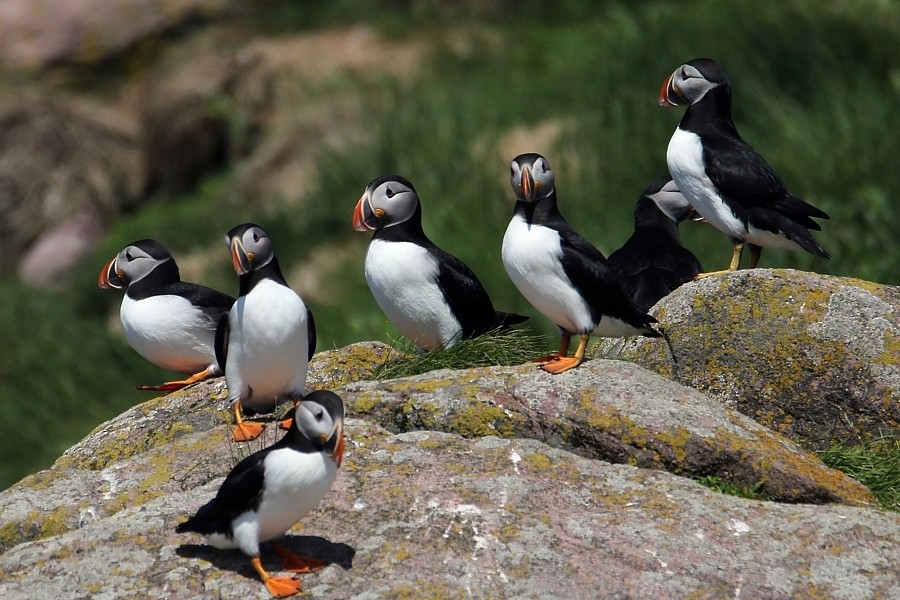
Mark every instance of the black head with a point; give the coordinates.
(531, 177)
(690, 82)
(250, 247)
(388, 200)
(134, 262)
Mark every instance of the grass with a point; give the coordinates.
(875, 464)
(577, 83)
(718, 484)
(511, 347)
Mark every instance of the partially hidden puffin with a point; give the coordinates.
(653, 262)
(265, 494)
(431, 296)
(559, 272)
(264, 343)
(726, 181)
(171, 323)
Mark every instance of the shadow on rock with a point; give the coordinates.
(234, 560)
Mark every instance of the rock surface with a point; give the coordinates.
(812, 356)
(426, 513)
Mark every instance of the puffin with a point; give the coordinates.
(266, 493)
(560, 273)
(726, 181)
(428, 294)
(653, 262)
(265, 342)
(169, 322)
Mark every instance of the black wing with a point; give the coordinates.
(241, 491)
(311, 332)
(212, 302)
(220, 345)
(465, 295)
(742, 175)
(587, 269)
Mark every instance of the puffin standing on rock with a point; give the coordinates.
(171, 323)
(431, 296)
(653, 263)
(265, 494)
(726, 181)
(266, 340)
(560, 273)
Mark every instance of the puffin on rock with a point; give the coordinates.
(264, 343)
(559, 272)
(265, 494)
(171, 323)
(431, 296)
(653, 263)
(726, 181)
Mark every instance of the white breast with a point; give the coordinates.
(169, 332)
(685, 159)
(532, 258)
(268, 345)
(403, 279)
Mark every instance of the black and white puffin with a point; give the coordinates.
(559, 272)
(264, 343)
(726, 181)
(265, 494)
(653, 262)
(431, 296)
(171, 323)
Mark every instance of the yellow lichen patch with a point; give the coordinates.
(536, 461)
(364, 403)
(427, 591)
(479, 420)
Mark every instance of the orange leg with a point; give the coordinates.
(564, 363)
(279, 587)
(755, 254)
(735, 261)
(171, 386)
(245, 431)
(563, 351)
(295, 563)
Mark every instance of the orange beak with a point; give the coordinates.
(669, 95)
(108, 278)
(359, 216)
(338, 455)
(528, 184)
(240, 259)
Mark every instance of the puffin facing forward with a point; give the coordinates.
(171, 323)
(431, 296)
(270, 490)
(726, 181)
(559, 272)
(264, 343)
(653, 263)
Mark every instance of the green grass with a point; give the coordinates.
(875, 464)
(511, 347)
(822, 111)
(718, 484)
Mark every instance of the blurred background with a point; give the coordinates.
(178, 119)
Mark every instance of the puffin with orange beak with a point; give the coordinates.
(265, 494)
(726, 181)
(265, 342)
(431, 296)
(560, 273)
(171, 323)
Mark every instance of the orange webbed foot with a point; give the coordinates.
(281, 587)
(247, 431)
(286, 424)
(169, 386)
(561, 364)
(296, 563)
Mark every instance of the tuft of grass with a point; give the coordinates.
(718, 484)
(505, 348)
(875, 464)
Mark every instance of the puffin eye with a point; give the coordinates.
(543, 166)
(129, 257)
(390, 193)
(255, 237)
(320, 415)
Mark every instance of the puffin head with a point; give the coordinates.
(320, 418)
(531, 177)
(666, 195)
(691, 81)
(250, 248)
(387, 201)
(134, 262)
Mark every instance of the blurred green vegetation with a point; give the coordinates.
(816, 87)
